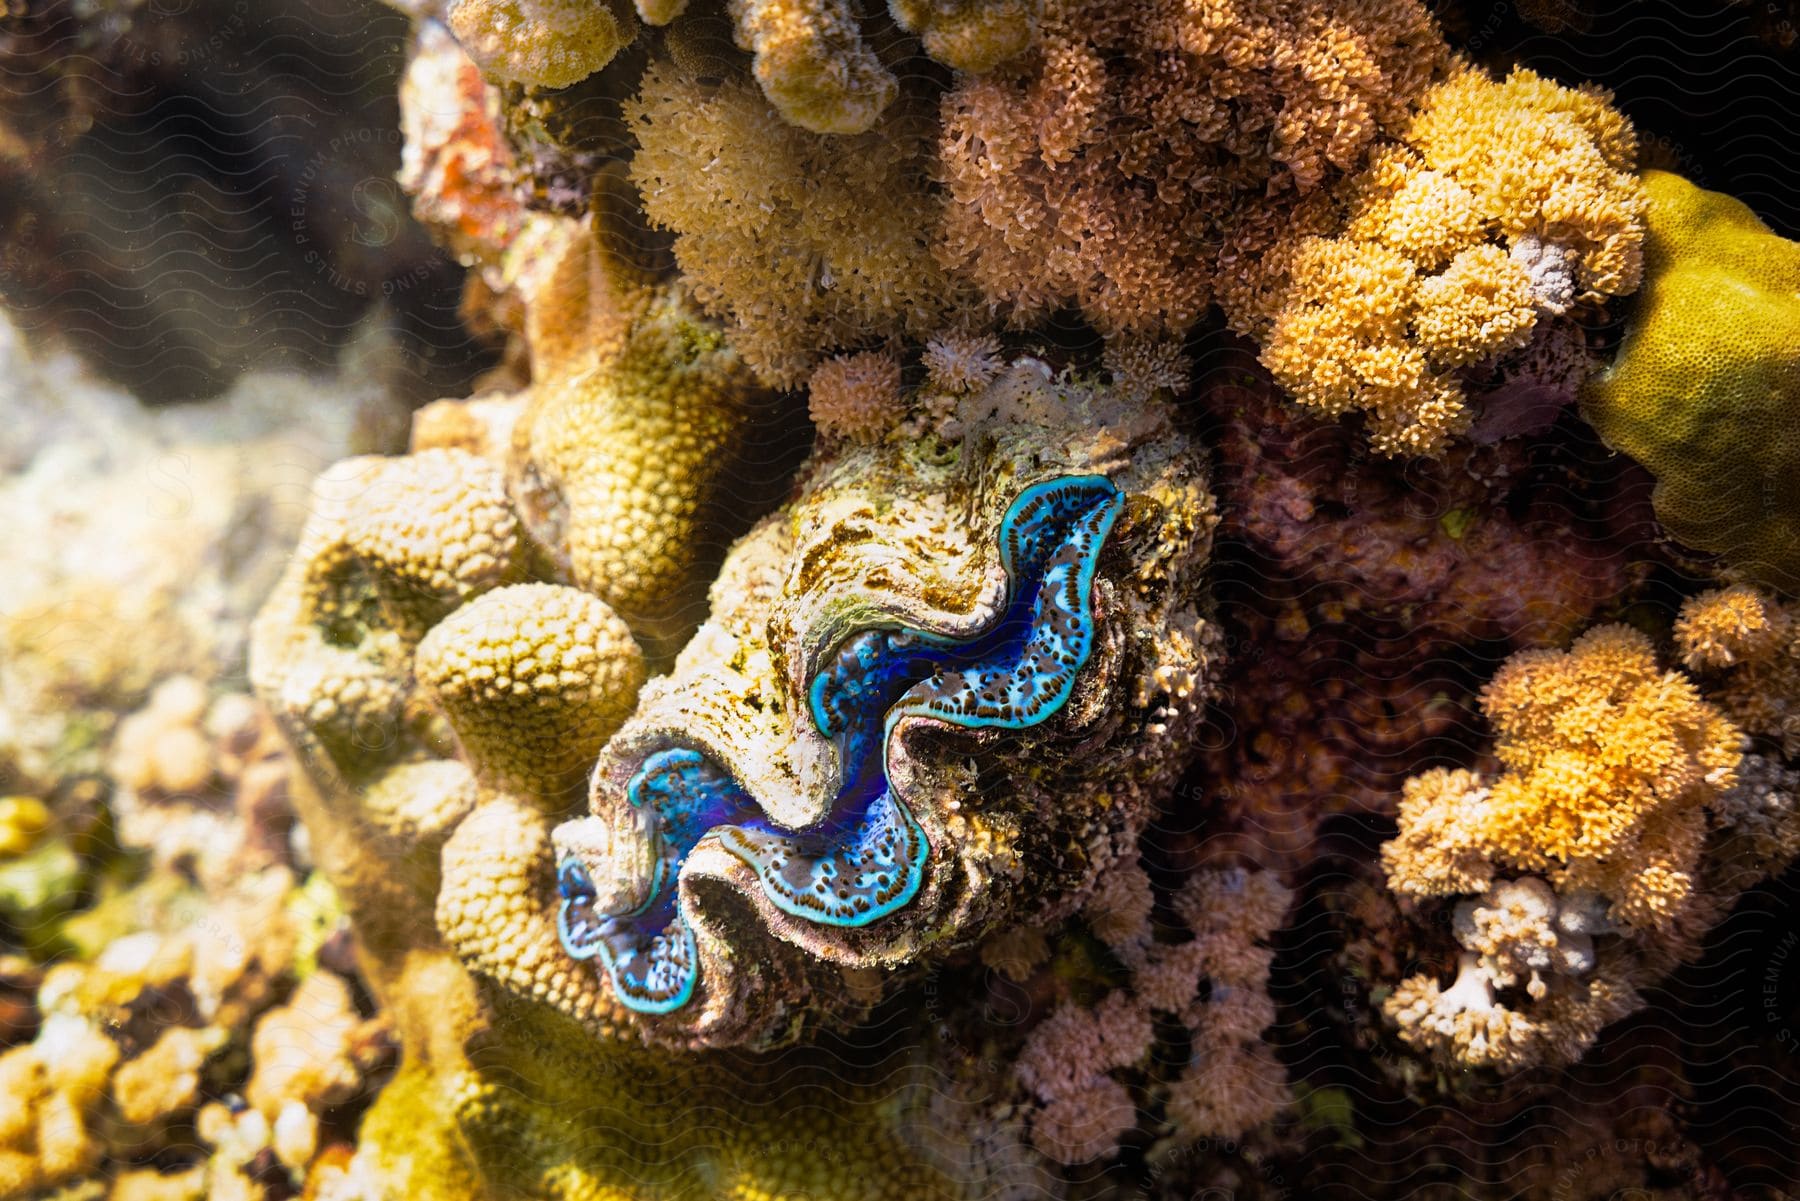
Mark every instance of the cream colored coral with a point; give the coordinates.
(163, 1082)
(856, 396)
(162, 747)
(970, 35)
(957, 362)
(1544, 160)
(806, 244)
(544, 43)
(50, 1089)
(1746, 646)
(308, 1052)
(534, 678)
(1467, 1025)
(1440, 849)
(812, 63)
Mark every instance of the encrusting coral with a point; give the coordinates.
(1705, 389)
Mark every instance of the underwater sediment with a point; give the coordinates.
(1160, 598)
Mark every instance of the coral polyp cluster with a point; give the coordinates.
(1593, 862)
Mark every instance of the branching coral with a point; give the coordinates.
(1105, 171)
(1211, 977)
(1418, 284)
(1587, 862)
(1705, 389)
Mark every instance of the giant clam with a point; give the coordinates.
(934, 693)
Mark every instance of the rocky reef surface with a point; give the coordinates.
(1048, 599)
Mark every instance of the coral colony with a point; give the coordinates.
(1282, 504)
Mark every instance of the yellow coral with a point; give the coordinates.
(23, 821)
(545, 43)
(1610, 764)
(534, 679)
(1705, 391)
(1417, 282)
(812, 63)
(805, 243)
(1542, 160)
(628, 430)
(1746, 645)
(49, 1092)
(1480, 306)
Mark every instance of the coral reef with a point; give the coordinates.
(1026, 613)
(1044, 569)
(1703, 389)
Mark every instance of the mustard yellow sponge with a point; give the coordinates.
(544, 43)
(1705, 390)
(534, 679)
